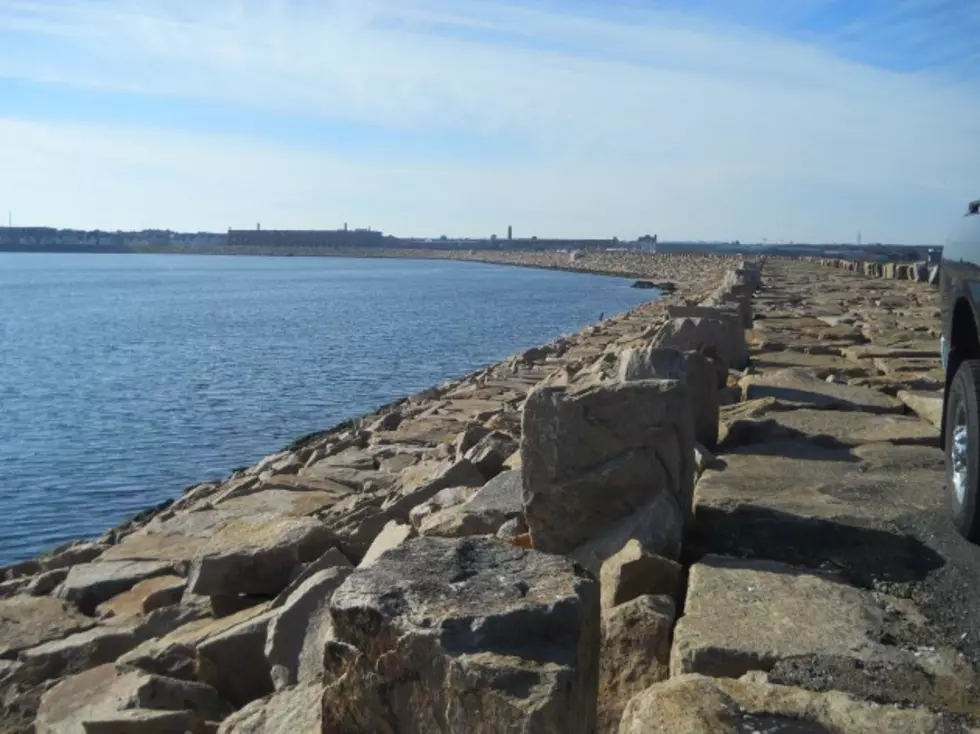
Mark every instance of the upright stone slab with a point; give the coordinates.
(722, 333)
(698, 372)
(469, 635)
(594, 456)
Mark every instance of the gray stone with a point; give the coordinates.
(90, 584)
(443, 499)
(658, 526)
(448, 635)
(595, 456)
(499, 500)
(293, 711)
(82, 702)
(722, 334)
(635, 654)
(698, 372)
(333, 558)
(79, 651)
(634, 572)
(26, 621)
(491, 451)
(793, 385)
(695, 704)
(257, 555)
(746, 615)
(298, 633)
(391, 536)
(927, 405)
(233, 661)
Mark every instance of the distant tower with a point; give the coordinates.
(258, 226)
(859, 239)
(510, 233)
(345, 226)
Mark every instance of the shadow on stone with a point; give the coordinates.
(862, 555)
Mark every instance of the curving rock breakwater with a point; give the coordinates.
(697, 516)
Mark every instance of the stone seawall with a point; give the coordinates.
(921, 272)
(713, 513)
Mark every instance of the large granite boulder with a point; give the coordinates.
(297, 635)
(657, 526)
(594, 456)
(250, 557)
(90, 584)
(721, 333)
(695, 704)
(635, 654)
(26, 621)
(695, 370)
(470, 635)
(107, 699)
(292, 711)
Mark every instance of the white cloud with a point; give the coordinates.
(656, 122)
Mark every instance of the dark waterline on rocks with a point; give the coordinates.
(124, 378)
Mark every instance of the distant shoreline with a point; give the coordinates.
(618, 264)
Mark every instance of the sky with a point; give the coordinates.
(802, 120)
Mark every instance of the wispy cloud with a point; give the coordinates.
(703, 119)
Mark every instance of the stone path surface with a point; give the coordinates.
(723, 512)
(823, 555)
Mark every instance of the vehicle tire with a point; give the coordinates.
(962, 434)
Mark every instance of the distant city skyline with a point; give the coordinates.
(702, 120)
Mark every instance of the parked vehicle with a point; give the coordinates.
(959, 284)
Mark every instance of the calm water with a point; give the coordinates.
(124, 378)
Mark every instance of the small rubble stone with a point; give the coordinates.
(634, 572)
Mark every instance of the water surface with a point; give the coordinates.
(124, 378)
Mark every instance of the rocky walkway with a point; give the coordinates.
(719, 513)
(822, 557)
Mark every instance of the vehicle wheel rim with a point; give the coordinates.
(959, 451)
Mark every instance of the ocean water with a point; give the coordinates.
(124, 378)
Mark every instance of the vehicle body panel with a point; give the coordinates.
(959, 281)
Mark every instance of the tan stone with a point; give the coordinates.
(154, 593)
(635, 653)
(634, 572)
(694, 704)
(26, 621)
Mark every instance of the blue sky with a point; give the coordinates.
(805, 120)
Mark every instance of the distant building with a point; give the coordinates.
(305, 238)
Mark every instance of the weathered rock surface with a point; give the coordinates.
(470, 635)
(634, 572)
(695, 704)
(298, 634)
(106, 697)
(257, 555)
(233, 661)
(698, 372)
(807, 627)
(298, 710)
(144, 597)
(794, 385)
(90, 584)
(635, 654)
(721, 334)
(593, 457)
(499, 500)
(26, 621)
(658, 527)
(927, 405)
